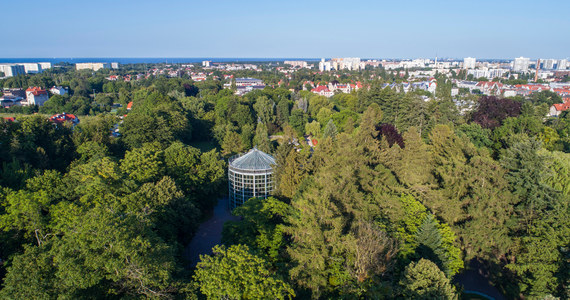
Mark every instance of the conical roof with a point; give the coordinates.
(253, 160)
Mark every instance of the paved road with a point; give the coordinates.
(209, 233)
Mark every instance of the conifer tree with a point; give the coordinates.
(261, 138)
(330, 130)
(424, 280)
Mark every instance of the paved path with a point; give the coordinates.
(209, 233)
(475, 280)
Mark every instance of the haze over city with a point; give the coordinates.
(370, 29)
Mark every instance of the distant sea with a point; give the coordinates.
(148, 60)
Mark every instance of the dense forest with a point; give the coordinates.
(399, 196)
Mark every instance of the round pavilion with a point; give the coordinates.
(250, 175)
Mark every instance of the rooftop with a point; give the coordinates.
(253, 160)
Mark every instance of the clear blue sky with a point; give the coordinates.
(230, 28)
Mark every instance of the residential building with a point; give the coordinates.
(324, 65)
(32, 68)
(562, 64)
(199, 77)
(36, 96)
(349, 63)
(487, 73)
(521, 64)
(296, 63)
(323, 90)
(560, 85)
(45, 65)
(242, 90)
(206, 63)
(478, 73)
(471, 85)
(114, 65)
(454, 92)
(527, 89)
(249, 82)
(64, 117)
(490, 87)
(469, 63)
(509, 92)
(92, 66)
(557, 109)
(14, 92)
(58, 90)
(10, 70)
(549, 64)
(9, 101)
(12, 97)
(494, 73)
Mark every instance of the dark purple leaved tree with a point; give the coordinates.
(391, 134)
(491, 111)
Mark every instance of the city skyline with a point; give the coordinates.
(255, 29)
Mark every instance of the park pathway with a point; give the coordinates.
(209, 233)
(475, 280)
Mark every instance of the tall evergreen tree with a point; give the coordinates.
(424, 280)
(330, 130)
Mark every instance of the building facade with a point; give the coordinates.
(45, 65)
(92, 66)
(296, 63)
(58, 90)
(36, 96)
(324, 65)
(250, 175)
(248, 82)
(32, 68)
(10, 70)
(520, 64)
(469, 63)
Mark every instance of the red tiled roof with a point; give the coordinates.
(36, 91)
(60, 118)
(320, 88)
(562, 91)
(562, 106)
(533, 87)
(130, 105)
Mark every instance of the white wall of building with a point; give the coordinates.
(520, 64)
(469, 63)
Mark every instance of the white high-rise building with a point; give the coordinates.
(520, 64)
(92, 66)
(45, 65)
(562, 64)
(32, 68)
(548, 64)
(324, 65)
(10, 70)
(351, 63)
(296, 63)
(469, 63)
